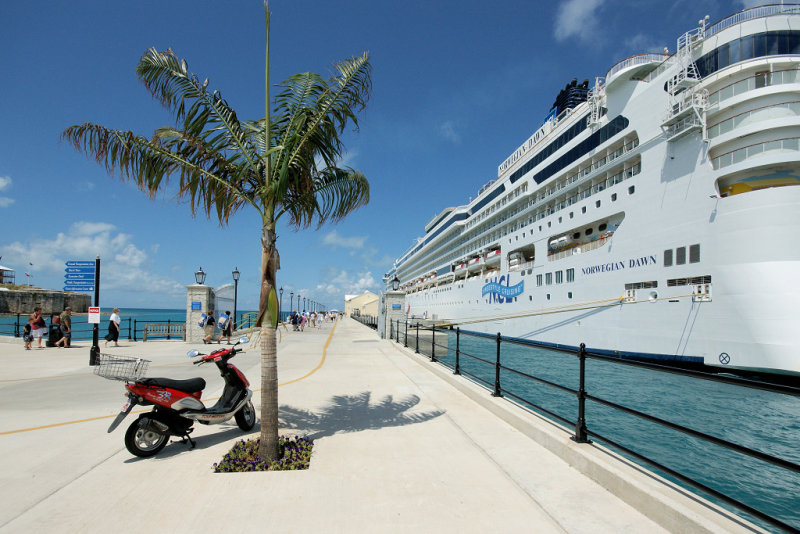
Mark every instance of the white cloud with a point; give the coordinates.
(333, 239)
(124, 266)
(448, 130)
(5, 183)
(577, 18)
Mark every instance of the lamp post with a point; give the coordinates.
(236, 274)
(298, 303)
(395, 283)
(200, 276)
(280, 304)
(291, 301)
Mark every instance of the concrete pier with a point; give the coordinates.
(400, 445)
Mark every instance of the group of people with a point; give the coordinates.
(312, 319)
(209, 324)
(60, 332)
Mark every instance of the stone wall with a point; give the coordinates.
(24, 300)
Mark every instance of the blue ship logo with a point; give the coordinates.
(500, 290)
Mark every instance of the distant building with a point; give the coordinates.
(7, 275)
(364, 304)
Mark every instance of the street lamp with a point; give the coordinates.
(236, 274)
(291, 301)
(298, 302)
(200, 276)
(395, 283)
(280, 305)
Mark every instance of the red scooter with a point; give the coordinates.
(176, 403)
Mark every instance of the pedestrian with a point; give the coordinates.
(66, 328)
(54, 334)
(294, 320)
(38, 325)
(27, 337)
(303, 320)
(226, 325)
(113, 328)
(208, 329)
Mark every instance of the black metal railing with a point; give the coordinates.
(444, 346)
(368, 320)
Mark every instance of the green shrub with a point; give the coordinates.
(294, 454)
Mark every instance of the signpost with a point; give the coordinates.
(84, 276)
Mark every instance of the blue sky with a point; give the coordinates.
(457, 87)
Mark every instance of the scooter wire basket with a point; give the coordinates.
(120, 368)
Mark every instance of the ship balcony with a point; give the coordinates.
(634, 67)
(521, 266)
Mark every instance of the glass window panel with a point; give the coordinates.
(759, 45)
(680, 256)
(754, 150)
(733, 52)
(739, 156)
(726, 93)
(725, 127)
(746, 47)
(793, 43)
(713, 131)
(773, 46)
(790, 144)
(724, 160)
(772, 145)
(668, 258)
(723, 59)
(694, 254)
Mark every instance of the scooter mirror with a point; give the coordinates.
(192, 353)
(243, 339)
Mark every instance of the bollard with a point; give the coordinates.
(497, 392)
(457, 369)
(580, 424)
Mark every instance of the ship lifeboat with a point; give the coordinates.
(459, 267)
(475, 264)
(493, 257)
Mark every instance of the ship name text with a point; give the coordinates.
(632, 263)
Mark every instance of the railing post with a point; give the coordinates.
(134, 329)
(405, 336)
(417, 349)
(497, 392)
(129, 328)
(457, 369)
(580, 424)
(168, 328)
(433, 343)
(16, 327)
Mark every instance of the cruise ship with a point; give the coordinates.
(654, 215)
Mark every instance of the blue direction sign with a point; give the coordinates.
(81, 264)
(79, 270)
(79, 282)
(79, 289)
(82, 276)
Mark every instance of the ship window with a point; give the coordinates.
(576, 235)
(588, 231)
(680, 256)
(694, 254)
(631, 189)
(569, 295)
(538, 280)
(571, 215)
(668, 258)
(529, 271)
(530, 297)
(548, 296)
(548, 279)
(614, 197)
(602, 227)
(559, 277)
(570, 275)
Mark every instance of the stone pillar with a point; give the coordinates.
(393, 306)
(199, 299)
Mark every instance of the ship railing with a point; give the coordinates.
(484, 359)
(522, 266)
(578, 248)
(757, 81)
(639, 59)
(750, 14)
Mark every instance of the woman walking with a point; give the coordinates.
(113, 328)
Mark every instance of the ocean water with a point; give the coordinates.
(764, 421)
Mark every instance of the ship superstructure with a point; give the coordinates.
(653, 215)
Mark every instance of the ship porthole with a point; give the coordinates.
(653, 296)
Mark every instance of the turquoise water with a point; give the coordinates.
(760, 420)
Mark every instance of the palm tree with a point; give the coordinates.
(285, 164)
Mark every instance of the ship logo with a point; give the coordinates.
(500, 290)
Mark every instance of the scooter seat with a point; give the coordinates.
(190, 385)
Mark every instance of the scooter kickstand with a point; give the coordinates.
(186, 438)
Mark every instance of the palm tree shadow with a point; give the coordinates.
(354, 413)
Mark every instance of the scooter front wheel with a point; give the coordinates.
(143, 439)
(246, 417)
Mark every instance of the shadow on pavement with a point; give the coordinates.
(354, 413)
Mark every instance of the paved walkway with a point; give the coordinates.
(401, 445)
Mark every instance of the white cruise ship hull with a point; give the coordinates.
(672, 238)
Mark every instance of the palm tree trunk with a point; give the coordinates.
(269, 351)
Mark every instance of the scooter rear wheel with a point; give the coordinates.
(143, 440)
(246, 417)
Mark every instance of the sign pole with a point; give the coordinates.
(94, 353)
